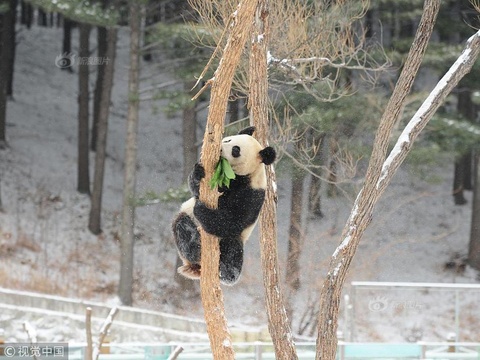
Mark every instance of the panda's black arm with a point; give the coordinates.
(197, 174)
(217, 222)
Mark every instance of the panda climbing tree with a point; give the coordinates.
(241, 180)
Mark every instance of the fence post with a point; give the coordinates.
(457, 315)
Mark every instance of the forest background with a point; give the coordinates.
(59, 241)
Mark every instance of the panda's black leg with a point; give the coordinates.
(194, 179)
(187, 237)
(231, 260)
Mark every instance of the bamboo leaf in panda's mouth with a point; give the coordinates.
(222, 175)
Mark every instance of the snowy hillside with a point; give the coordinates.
(45, 245)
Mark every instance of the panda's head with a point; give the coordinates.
(245, 154)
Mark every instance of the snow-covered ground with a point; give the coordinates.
(45, 245)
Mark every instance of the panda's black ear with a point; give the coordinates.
(268, 155)
(247, 131)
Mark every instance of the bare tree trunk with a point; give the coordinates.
(83, 172)
(332, 168)
(474, 244)
(459, 181)
(462, 177)
(314, 193)
(295, 231)
(12, 43)
(42, 17)
(295, 236)
(6, 46)
(26, 14)
(189, 134)
(94, 222)
(97, 96)
(382, 169)
(278, 323)
(125, 287)
(212, 297)
(67, 40)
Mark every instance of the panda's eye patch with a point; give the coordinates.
(236, 151)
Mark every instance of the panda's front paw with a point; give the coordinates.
(198, 171)
(195, 177)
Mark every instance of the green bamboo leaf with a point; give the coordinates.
(227, 169)
(214, 181)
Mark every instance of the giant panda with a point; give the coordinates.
(238, 208)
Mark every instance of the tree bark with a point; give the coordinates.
(97, 96)
(83, 172)
(212, 297)
(128, 210)
(459, 181)
(295, 237)
(42, 17)
(67, 41)
(462, 177)
(474, 244)
(12, 43)
(381, 170)
(6, 50)
(26, 14)
(361, 214)
(94, 223)
(295, 232)
(278, 323)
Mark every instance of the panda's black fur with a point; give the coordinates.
(238, 208)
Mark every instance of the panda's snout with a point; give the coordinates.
(236, 151)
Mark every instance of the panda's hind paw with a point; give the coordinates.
(190, 271)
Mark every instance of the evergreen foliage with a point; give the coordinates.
(82, 11)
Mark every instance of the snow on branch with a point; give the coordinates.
(457, 71)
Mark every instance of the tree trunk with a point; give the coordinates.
(234, 108)
(97, 96)
(278, 323)
(6, 47)
(381, 168)
(458, 182)
(128, 210)
(26, 14)
(94, 223)
(295, 238)
(42, 17)
(212, 296)
(67, 42)
(474, 245)
(83, 172)
(12, 43)
(190, 156)
(462, 179)
(314, 193)
(314, 197)
(332, 190)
